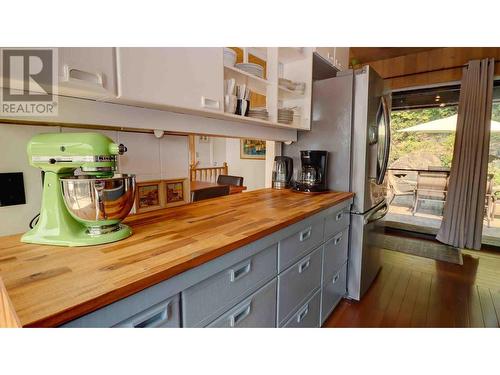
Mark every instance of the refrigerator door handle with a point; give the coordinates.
(378, 214)
(387, 145)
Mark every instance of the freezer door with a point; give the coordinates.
(365, 252)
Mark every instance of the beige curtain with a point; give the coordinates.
(462, 223)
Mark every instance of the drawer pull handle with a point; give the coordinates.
(335, 278)
(301, 315)
(151, 318)
(236, 274)
(338, 216)
(82, 75)
(240, 315)
(337, 240)
(209, 103)
(304, 265)
(305, 235)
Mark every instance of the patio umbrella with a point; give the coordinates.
(443, 125)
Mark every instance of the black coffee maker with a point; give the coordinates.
(311, 177)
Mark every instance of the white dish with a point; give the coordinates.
(229, 57)
(251, 68)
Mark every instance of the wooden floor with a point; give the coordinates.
(412, 291)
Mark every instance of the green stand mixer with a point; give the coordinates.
(85, 207)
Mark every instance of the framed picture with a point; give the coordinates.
(252, 149)
(176, 192)
(149, 196)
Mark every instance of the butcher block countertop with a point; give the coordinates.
(50, 285)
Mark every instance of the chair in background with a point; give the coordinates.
(208, 174)
(398, 186)
(490, 200)
(225, 179)
(431, 186)
(210, 192)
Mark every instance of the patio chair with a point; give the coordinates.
(398, 186)
(490, 201)
(431, 186)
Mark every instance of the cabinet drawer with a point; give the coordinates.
(258, 310)
(337, 221)
(335, 253)
(334, 288)
(206, 300)
(164, 314)
(295, 246)
(307, 316)
(297, 283)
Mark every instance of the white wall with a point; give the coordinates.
(147, 157)
(253, 171)
(13, 158)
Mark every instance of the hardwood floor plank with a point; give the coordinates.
(495, 296)
(405, 313)
(419, 313)
(487, 307)
(475, 312)
(391, 313)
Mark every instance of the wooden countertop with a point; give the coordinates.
(50, 285)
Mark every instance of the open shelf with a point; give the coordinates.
(255, 83)
(286, 93)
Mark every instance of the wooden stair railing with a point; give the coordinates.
(8, 316)
(208, 174)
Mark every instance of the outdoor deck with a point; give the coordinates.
(427, 219)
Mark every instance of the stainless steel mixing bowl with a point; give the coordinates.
(99, 203)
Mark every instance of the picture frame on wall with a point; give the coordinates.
(252, 149)
(149, 196)
(176, 192)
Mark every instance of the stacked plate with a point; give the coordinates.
(254, 69)
(298, 87)
(260, 113)
(229, 57)
(285, 115)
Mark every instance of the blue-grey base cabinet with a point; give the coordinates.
(291, 278)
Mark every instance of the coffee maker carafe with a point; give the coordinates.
(282, 172)
(312, 174)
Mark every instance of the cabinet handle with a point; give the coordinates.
(335, 278)
(82, 75)
(210, 103)
(338, 216)
(236, 274)
(150, 318)
(240, 315)
(337, 239)
(301, 315)
(305, 235)
(304, 265)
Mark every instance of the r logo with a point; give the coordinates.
(27, 75)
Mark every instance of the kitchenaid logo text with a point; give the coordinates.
(29, 86)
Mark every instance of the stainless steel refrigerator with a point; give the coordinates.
(351, 120)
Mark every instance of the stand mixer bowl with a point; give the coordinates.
(100, 204)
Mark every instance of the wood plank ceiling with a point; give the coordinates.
(369, 54)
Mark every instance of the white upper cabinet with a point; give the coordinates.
(88, 72)
(341, 58)
(338, 57)
(177, 77)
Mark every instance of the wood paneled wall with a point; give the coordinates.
(430, 67)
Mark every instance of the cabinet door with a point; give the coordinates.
(87, 72)
(327, 53)
(179, 77)
(342, 58)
